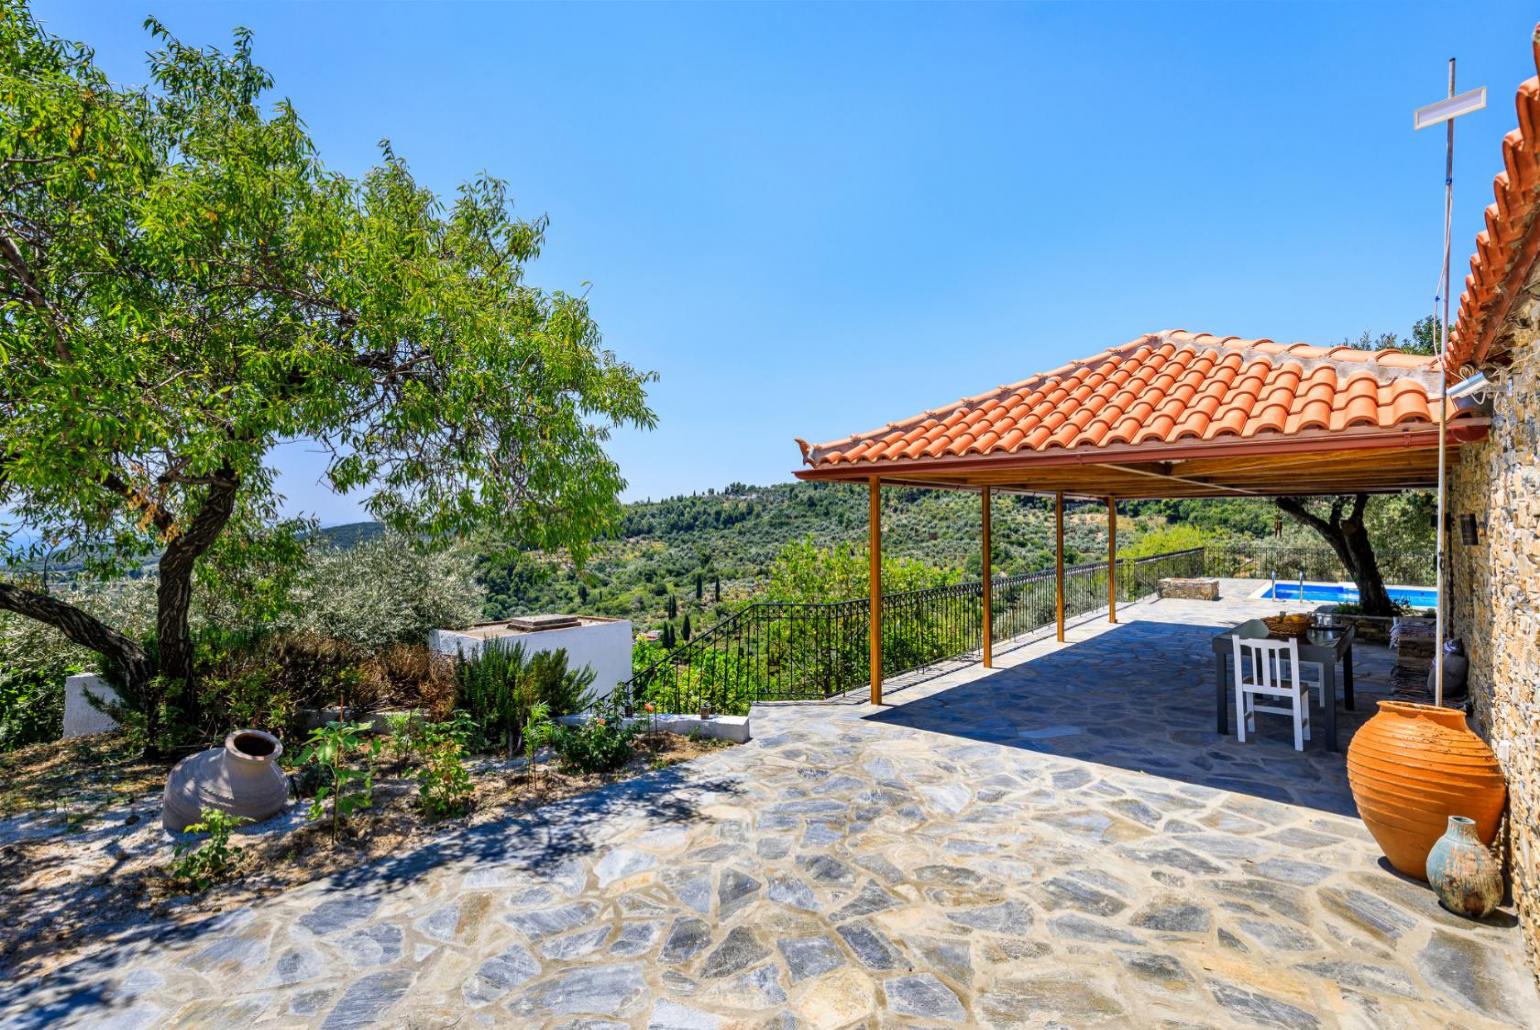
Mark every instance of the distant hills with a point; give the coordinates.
(350, 533)
(731, 537)
(726, 541)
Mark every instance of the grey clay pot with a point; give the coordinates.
(242, 778)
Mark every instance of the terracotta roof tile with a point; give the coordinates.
(1506, 248)
(1163, 388)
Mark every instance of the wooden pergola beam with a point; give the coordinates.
(987, 593)
(1058, 562)
(874, 520)
(1112, 559)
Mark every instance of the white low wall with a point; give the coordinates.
(80, 715)
(603, 645)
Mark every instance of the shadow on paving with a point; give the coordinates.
(1140, 696)
(534, 842)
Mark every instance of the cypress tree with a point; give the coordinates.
(717, 589)
(685, 631)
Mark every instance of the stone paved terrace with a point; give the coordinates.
(1061, 841)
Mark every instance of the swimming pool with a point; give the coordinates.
(1345, 593)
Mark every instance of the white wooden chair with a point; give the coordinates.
(1314, 675)
(1270, 668)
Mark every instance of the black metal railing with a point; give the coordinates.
(779, 651)
(1254, 559)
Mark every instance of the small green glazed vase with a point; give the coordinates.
(1463, 873)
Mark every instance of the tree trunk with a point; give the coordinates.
(87, 631)
(173, 596)
(1350, 541)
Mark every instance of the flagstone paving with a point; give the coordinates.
(1063, 840)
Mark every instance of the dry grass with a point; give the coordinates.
(76, 778)
(66, 891)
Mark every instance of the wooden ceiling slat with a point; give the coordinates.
(1345, 471)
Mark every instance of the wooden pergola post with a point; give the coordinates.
(1112, 559)
(874, 519)
(1058, 560)
(987, 597)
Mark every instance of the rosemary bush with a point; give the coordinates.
(500, 686)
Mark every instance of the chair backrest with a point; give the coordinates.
(1266, 670)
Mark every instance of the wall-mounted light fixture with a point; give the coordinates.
(1473, 393)
(1468, 530)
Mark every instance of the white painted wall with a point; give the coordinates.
(602, 645)
(80, 715)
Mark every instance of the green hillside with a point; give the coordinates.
(726, 540)
(733, 535)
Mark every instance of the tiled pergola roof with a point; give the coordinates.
(1164, 387)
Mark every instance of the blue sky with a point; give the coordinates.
(812, 220)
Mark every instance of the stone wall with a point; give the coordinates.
(1495, 609)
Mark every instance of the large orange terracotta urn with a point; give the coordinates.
(1413, 766)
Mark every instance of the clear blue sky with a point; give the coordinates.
(811, 220)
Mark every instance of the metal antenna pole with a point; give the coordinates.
(1443, 413)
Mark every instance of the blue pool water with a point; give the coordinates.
(1337, 593)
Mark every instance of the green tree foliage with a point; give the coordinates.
(807, 572)
(1424, 338)
(184, 284)
(384, 591)
(1178, 537)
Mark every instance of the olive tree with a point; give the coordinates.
(184, 285)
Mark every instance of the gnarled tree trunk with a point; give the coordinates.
(173, 595)
(1350, 540)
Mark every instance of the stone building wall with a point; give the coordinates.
(1495, 605)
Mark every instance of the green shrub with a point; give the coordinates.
(330, 750)
(539, 731)
(501, 685)
(31, 705)
(600, 745)
(262, 679)
(404, 734)
(444, 785)
(199, 866)
(805, 571)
